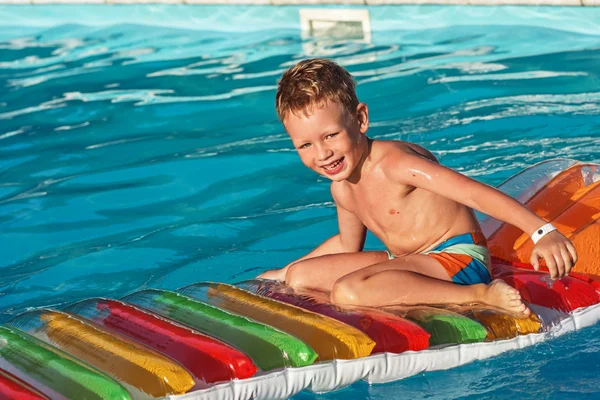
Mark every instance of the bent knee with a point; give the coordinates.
(360, 291)
(296, 276)
(346, 291)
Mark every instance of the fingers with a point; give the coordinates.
(558, 253)
(534, 261)
(556, 268)
(563, 258)
(572, 251)
(566, 257)
(551, 264)
(560, 263)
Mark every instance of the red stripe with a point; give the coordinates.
(12, 388)
(391, 333)
(207, 358)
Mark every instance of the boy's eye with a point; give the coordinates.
(331, 135)
(304, 146)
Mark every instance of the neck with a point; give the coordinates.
(366, 146)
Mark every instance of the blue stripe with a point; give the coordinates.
(474, 272)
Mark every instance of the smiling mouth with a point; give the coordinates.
(333, 165)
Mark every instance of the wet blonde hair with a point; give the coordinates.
(313, 82)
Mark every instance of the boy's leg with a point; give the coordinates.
(322, 272)
(419, 279)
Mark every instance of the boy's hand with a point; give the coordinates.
(557, 251)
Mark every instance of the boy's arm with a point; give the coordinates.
(558, 251)
(350, 239)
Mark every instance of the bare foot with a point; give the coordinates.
(500, 294)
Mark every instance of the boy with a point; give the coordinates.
(419, 209)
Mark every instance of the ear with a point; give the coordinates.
(362, 116)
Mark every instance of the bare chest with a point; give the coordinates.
(383, 211)
(409, 220)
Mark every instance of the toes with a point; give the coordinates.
(523, 309)
(519, 307)
(507, 297)
(505, 287)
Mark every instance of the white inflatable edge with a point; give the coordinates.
(386, 367)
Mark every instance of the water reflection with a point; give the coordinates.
(127, 137)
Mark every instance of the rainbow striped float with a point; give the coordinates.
(262, 340)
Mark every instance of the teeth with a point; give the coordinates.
(332, 166)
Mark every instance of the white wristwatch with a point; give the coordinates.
(542, 231)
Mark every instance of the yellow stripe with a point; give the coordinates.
(142, 368)
(499, 323)
(504, 326)
(330, 338)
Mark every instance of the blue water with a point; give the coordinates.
(135, 156)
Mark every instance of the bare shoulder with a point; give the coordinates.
(397, 152)
(341, 195)
(421, 151)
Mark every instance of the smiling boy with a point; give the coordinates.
(419, 209)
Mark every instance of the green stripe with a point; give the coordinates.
(480, 253)
(448, 328)
(268, 347)
(47, 366)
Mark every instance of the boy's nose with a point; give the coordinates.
(324, 153)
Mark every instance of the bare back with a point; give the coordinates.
(408, 220)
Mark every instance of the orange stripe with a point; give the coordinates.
(562, 192)
(479, 238)
(581, 224)
(588, 251)
(452, 263)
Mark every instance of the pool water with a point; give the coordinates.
(136, 156)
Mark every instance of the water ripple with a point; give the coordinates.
(144, 156)
(504, 77)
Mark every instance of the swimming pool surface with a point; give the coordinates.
(135, 156)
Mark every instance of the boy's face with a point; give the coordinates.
(328, 140)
